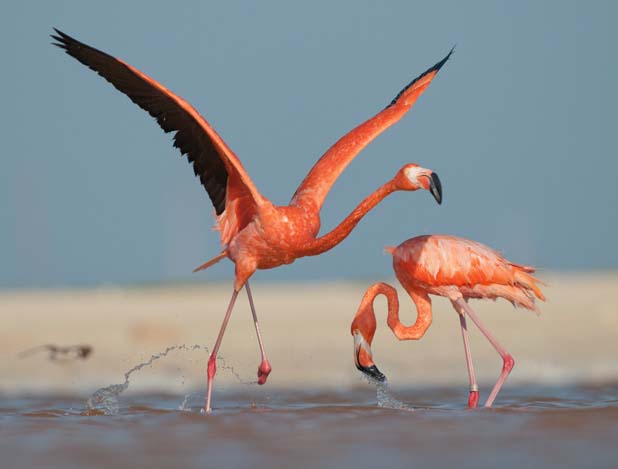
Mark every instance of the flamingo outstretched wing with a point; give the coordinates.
(316, 185)
(220, 171)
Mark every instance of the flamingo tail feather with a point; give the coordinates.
(211, 262)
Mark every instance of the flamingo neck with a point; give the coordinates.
(334, 237)
(423, 318)
(365, 319)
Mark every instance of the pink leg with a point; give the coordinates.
(507, 360)
(212, 361)
(473, 398)
(264, 368)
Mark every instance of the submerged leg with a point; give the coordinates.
(264, 368)
(507, 360)
(473, 398)
(212, 361)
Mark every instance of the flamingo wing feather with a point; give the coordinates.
(441, 262)
(213, 161)
(315, 187)
(449, 260)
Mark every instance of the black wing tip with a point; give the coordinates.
(434, 68)
(75, 48)
(59, 36)
(59, 42)
(64, 41)
(439, 65)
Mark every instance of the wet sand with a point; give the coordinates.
(558, 409)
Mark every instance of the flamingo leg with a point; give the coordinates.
(507, 360)
(264, 368)
(473, 398)
(212, 361)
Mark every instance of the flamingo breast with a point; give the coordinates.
(276, 236)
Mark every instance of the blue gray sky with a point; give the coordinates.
(518, 125)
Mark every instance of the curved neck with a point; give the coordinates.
(365, 319)
(423, 317)
(334, 237)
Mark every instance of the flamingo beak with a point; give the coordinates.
(373, 372)
(435, 187)
(363, 359)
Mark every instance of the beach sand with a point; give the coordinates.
(306, 333)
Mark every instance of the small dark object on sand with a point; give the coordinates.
(71, 352)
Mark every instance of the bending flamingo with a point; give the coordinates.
(255, 233)
(454, 268)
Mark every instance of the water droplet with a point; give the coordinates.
(105, 400)
(385, 398)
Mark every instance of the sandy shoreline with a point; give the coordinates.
(306, 329)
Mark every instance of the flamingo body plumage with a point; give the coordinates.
(451, 267)
(255, 233)
(443, 265)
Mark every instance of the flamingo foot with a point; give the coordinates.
(263, 371)
(473, 399)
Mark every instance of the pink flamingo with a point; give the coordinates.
(255, 233)
(454, 268)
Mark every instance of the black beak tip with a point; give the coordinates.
(435, 187)
(373, 372)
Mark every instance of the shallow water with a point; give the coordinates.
(573, 426)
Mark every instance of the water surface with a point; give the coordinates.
(558, 426)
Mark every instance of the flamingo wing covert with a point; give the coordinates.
(220, 171)
(450, 260)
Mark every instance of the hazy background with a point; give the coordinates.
(520, 125)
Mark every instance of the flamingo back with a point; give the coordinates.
(442, 264)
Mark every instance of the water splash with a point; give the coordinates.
(183, 407)
(385, 398)
(105, 400)
(222, 365)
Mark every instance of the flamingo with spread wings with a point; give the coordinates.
(455, 268)
(255, 233)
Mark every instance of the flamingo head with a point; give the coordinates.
(413, 177)
(363, 357)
